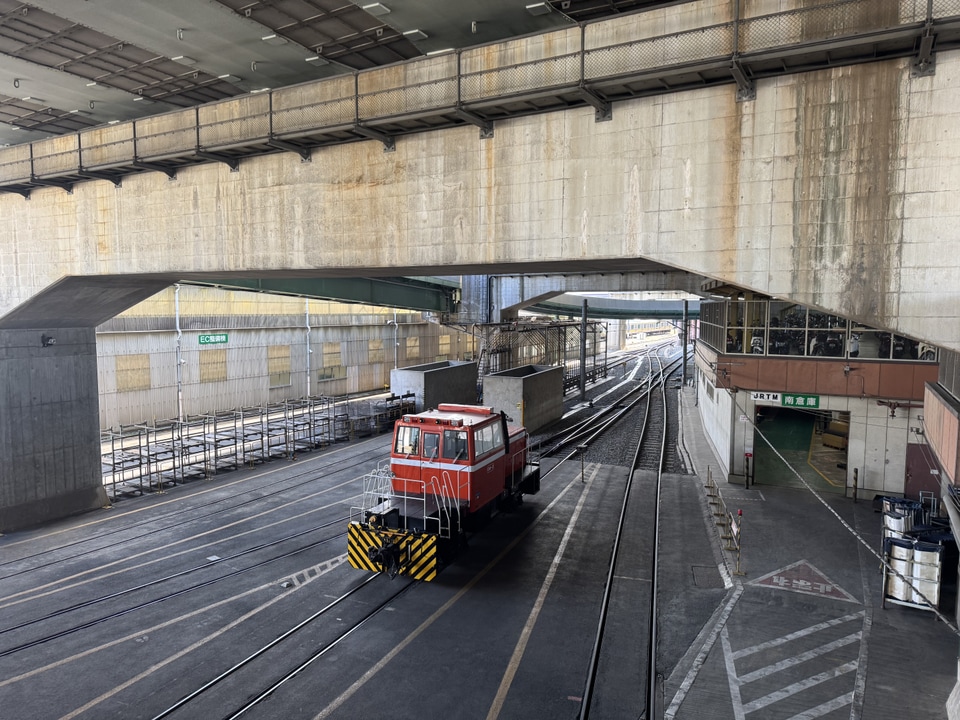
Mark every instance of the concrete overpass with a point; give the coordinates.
(833, 188)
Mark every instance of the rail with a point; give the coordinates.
(587, 64)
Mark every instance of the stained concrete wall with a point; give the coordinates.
(49, 428)
(435, 383)
(835, 189)
(532, 395)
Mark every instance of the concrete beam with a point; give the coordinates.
(694, 181)
(516, 292)
(405, 293)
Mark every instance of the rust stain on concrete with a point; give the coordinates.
(846, 232)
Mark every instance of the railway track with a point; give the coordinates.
(278, 645)
(295, 647)
(86, 624)
(649, 411)
(252, 489)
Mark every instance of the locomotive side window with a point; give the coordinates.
(455, 444)
(408, 440)
(431, 445)
(488, 438)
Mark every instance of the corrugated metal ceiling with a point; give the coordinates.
(67, 65)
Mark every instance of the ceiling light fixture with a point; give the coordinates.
(317, 60)
(92, 83)
(540, 8)
(415, 35)
(228, 78)
(274, 39)
(183, 59)
(375, 9)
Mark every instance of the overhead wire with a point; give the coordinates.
(844, 523)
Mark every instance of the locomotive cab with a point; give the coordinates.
(448, 467)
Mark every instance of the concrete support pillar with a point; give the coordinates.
(583, 351)
(474, 299)
(683, 344)
(49, 426)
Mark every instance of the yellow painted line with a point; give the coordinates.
(521, 646)
(142, 632)
(440, 612)
(813, 436)
(193, 646)
(51, 589)
(153, 506)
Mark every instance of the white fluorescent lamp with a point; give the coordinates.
(540, 8)
(274, 39)
(376, 9)
(439, 52)
(144, 100)
(317, 60)
(92, 83)
(415, 35)
(184, 60)
(228, 78)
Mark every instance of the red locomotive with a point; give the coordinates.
(449, 469)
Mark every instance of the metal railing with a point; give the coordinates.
(475, 79)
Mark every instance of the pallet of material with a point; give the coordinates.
(838, 427)
(835, 441)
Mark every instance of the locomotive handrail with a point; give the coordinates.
(452, 491)
(589, 66)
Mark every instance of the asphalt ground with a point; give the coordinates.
(803, 632)
(505, 632)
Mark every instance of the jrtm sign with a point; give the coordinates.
(216, 339)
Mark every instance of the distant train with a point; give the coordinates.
(450, 468)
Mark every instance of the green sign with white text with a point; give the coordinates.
(800, 401)
(214, 339)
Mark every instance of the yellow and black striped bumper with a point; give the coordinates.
(416, 554)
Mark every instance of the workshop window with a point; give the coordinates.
(213, 365)
(413, 348)
(133, 372)
(278, 365)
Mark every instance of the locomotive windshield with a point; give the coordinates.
(431, 445)
(455, 444)
(408, 440)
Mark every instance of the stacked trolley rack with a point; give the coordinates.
(449, 469)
